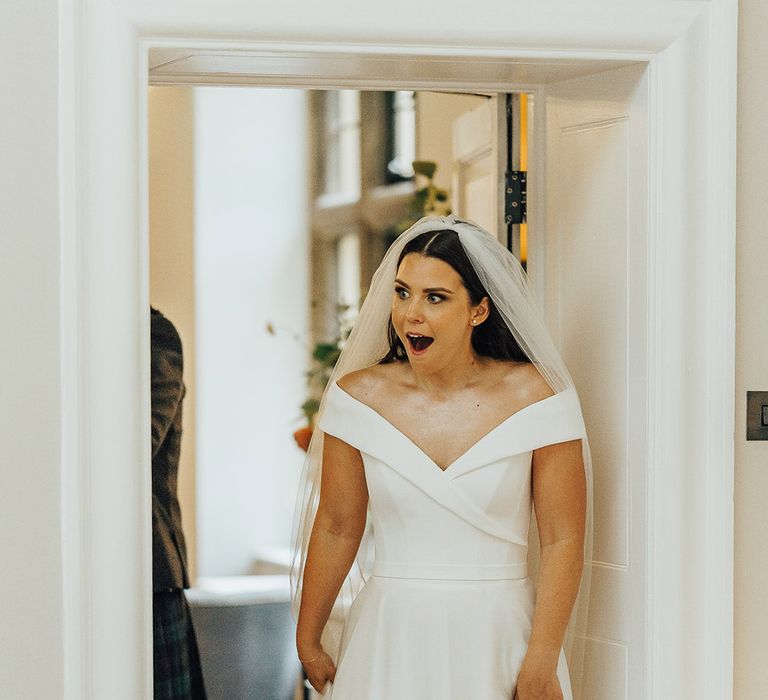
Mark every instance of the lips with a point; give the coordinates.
(418, 342)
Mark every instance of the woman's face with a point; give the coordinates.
(431, 310)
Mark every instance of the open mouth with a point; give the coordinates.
(419, 343)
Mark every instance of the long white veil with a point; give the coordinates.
(506, 283)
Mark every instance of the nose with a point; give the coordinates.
(413, 312)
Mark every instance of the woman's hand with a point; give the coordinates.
(535, 682)
(319, 668)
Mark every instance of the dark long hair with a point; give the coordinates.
(492, 337)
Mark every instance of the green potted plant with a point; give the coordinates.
(324, 356)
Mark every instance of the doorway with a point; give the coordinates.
(689, 633)
(593, 127)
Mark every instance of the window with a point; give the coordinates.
(401, 135)
(348, 277)
(356, 200)
(340, 142)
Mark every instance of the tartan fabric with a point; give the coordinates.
(178, 674)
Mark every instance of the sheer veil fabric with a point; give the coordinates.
(506, 283)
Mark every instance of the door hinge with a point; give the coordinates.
(515, 197)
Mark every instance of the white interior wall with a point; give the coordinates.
(31, 654)
(252, 262)
(751, 463)
(172, 264)
(31, 448)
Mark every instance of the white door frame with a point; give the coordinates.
(690, 46)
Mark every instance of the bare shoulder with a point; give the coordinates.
(526, 384)
(352, 382)
(368, 381)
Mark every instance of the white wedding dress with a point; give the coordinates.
(447, 610)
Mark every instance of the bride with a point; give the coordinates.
(449, 418)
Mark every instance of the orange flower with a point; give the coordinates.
(302, 437)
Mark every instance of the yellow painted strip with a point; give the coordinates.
(523, 166)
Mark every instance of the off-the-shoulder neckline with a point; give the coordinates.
(464, 454)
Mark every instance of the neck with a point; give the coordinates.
(442, 382)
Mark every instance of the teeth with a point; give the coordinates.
(419, 346)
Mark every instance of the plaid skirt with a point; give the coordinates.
(178, 675)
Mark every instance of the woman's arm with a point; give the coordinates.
(336, 533)
(559, 494)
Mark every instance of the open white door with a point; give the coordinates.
(587, 263)
(479, 163)
(587, 252)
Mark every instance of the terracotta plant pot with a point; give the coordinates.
(302, 437)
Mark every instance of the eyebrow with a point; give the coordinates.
(428, 289)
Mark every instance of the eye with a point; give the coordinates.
(439, 297)
(400, 289)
